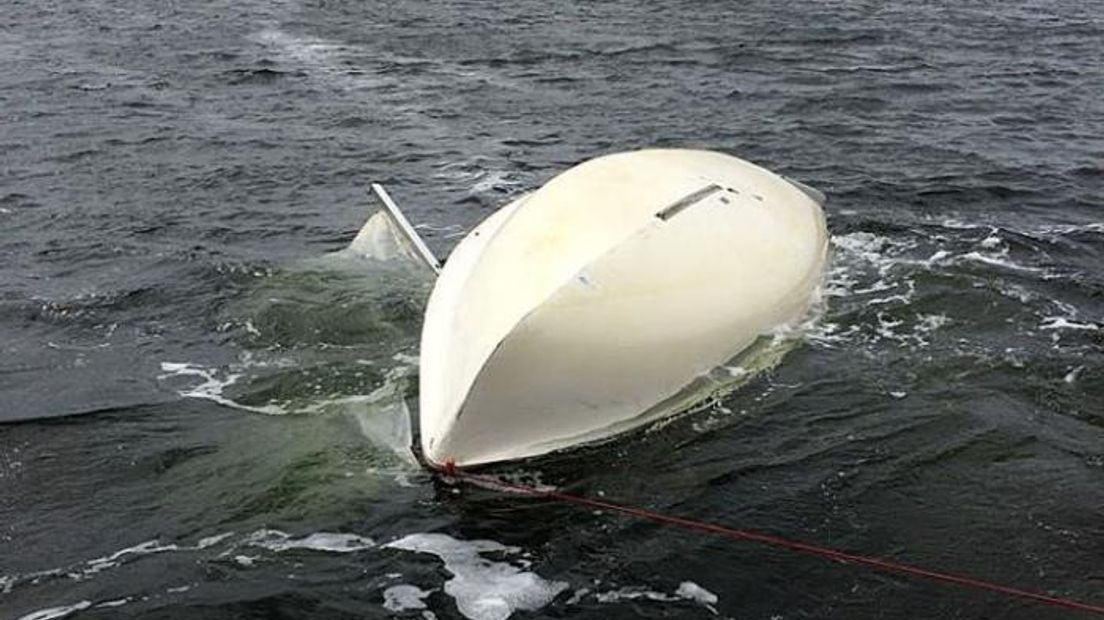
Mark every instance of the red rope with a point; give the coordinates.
(774, 541)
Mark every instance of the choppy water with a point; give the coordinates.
(170, 174)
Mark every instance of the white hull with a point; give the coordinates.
(569, 313)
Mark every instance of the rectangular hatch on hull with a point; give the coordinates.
(687, 201)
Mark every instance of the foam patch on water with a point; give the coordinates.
(687, 591)
(404, 597)
(275, 540)
(633, 593)
(493, 180)
(382, 414)
(1061, 322)
(1060, 230)
(53, 613)
(882, 289)
(893, 259)
(483, 589)
(873, 269)
(691, 591)
(115, 559)
(211, 541)
(876, 275)
(998, 259)
(224, 545)
(213, 383)
(90, 568)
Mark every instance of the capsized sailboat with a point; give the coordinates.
(578, 310)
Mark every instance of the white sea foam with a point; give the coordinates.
(632, 593)
(146, 548)
(865, 264)
(53, 613)
(89, 568)
(737, 372)
(874, 272)
(476, 175)
(992, 241)
(693, 592)
(1015, 291)
(60, 612)
(1067, 229)
(486, 589)
(483, 589)
(382, 413)
(494, 180)
(404, 597)
(1037, 232)
(1073, 374)
(211, 541)
(515, 482)
(863, 250)
(1061, 322)
(999, 259)
(875, 250)
(957, 224)
(275, 540)
(876, 278)
(212, 386)
(686, 591)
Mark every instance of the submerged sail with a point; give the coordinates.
(388, 236)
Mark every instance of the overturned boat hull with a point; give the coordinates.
(570, 313)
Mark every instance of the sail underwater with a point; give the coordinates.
(591, 305)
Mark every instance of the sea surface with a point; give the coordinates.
(202, 406)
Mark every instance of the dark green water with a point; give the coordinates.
(201, 413)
